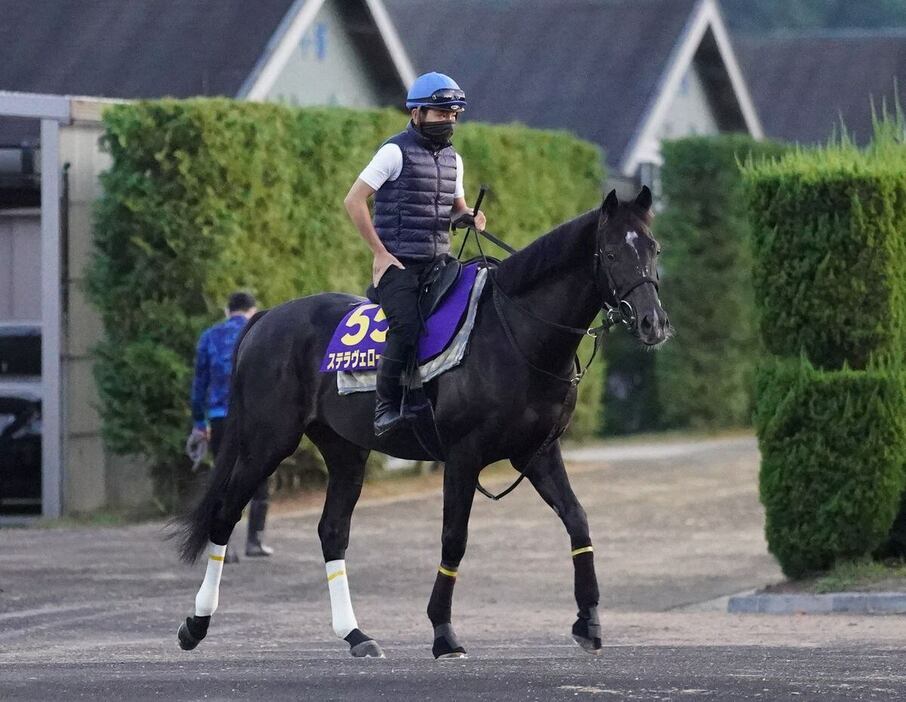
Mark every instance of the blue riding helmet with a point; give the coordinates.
(437, 91)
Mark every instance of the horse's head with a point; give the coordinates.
(626, 267)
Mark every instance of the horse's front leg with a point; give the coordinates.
(460, 479)
(548, 475)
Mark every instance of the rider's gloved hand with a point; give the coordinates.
(463, 220)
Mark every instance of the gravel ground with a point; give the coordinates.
(92, 613)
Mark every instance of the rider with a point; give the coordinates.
(416, 178)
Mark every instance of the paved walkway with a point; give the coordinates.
(93, 612)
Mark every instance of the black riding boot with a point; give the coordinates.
(257, 515)
(388, 409)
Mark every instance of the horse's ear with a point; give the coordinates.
(644, 199)
(611, 204)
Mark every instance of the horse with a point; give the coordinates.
(515, 386)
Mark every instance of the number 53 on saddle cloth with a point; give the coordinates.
(360, 337)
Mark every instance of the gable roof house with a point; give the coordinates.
(805, 85)
(624, 74)
(304, 52)
(301, 52)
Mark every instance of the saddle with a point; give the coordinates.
(435, 283)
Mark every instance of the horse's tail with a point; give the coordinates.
(195, 525)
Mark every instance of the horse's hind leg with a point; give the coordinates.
(548, 475)
(261, 449)
(346, 472)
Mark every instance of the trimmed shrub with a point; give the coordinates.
(704, 376)
(829, 241)
(833, 445)
(207, 196)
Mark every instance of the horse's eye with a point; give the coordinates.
(610, 256)
(658, 251)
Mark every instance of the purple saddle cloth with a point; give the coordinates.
(361, 335)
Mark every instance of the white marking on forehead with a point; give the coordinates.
(631, 236)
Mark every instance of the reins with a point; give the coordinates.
(621, 313)
(613, 315)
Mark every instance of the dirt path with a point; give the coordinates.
(94, 611)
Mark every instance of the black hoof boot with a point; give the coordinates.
(446, 645)
(587, 631)
(362, 646)
(192, 631)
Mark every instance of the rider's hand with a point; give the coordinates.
(463, 220)
(383, 261)
(202, 433)
(467, 219)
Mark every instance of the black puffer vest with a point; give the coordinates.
(412, 213)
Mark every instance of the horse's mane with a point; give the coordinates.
(558, 248)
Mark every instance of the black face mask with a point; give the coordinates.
(438, 133)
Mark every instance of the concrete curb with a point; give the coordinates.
(831, 603)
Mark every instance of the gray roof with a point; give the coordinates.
(589, 66)
(132, 49)
(803, 84)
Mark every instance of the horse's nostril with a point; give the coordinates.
(646, 323)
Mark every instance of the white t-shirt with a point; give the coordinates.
(387, 164)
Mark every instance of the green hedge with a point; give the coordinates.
(207, 196)
(704, 377)
(830, 282)
(830, 248)
(833, 446)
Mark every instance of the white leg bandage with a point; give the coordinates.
(340, 603)
(209, 593)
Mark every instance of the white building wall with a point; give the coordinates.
(690, 114)
(20, 265)
(93, 478)
(325, 68)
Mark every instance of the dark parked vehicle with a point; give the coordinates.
(20, 454)
(20, 419)
(20, 350)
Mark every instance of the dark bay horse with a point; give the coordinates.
(510, 392)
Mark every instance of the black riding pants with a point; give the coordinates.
(397, 291)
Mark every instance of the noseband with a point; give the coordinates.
(621, 310)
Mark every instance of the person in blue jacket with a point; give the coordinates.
(416, 179)
(210, 401)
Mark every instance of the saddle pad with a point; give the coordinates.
(360, 337)
(450, 357)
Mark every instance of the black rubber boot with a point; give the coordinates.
(257, 516)
(388, 409)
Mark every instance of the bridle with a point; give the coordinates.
(616, 310)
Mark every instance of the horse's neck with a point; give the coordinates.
(567, 296)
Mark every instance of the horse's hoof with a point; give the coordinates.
(367, 649)
(587, 630)
(362, 646)
(592, 646)
(446, 645)
(453, 655)
(186, 641)
(192, 631)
